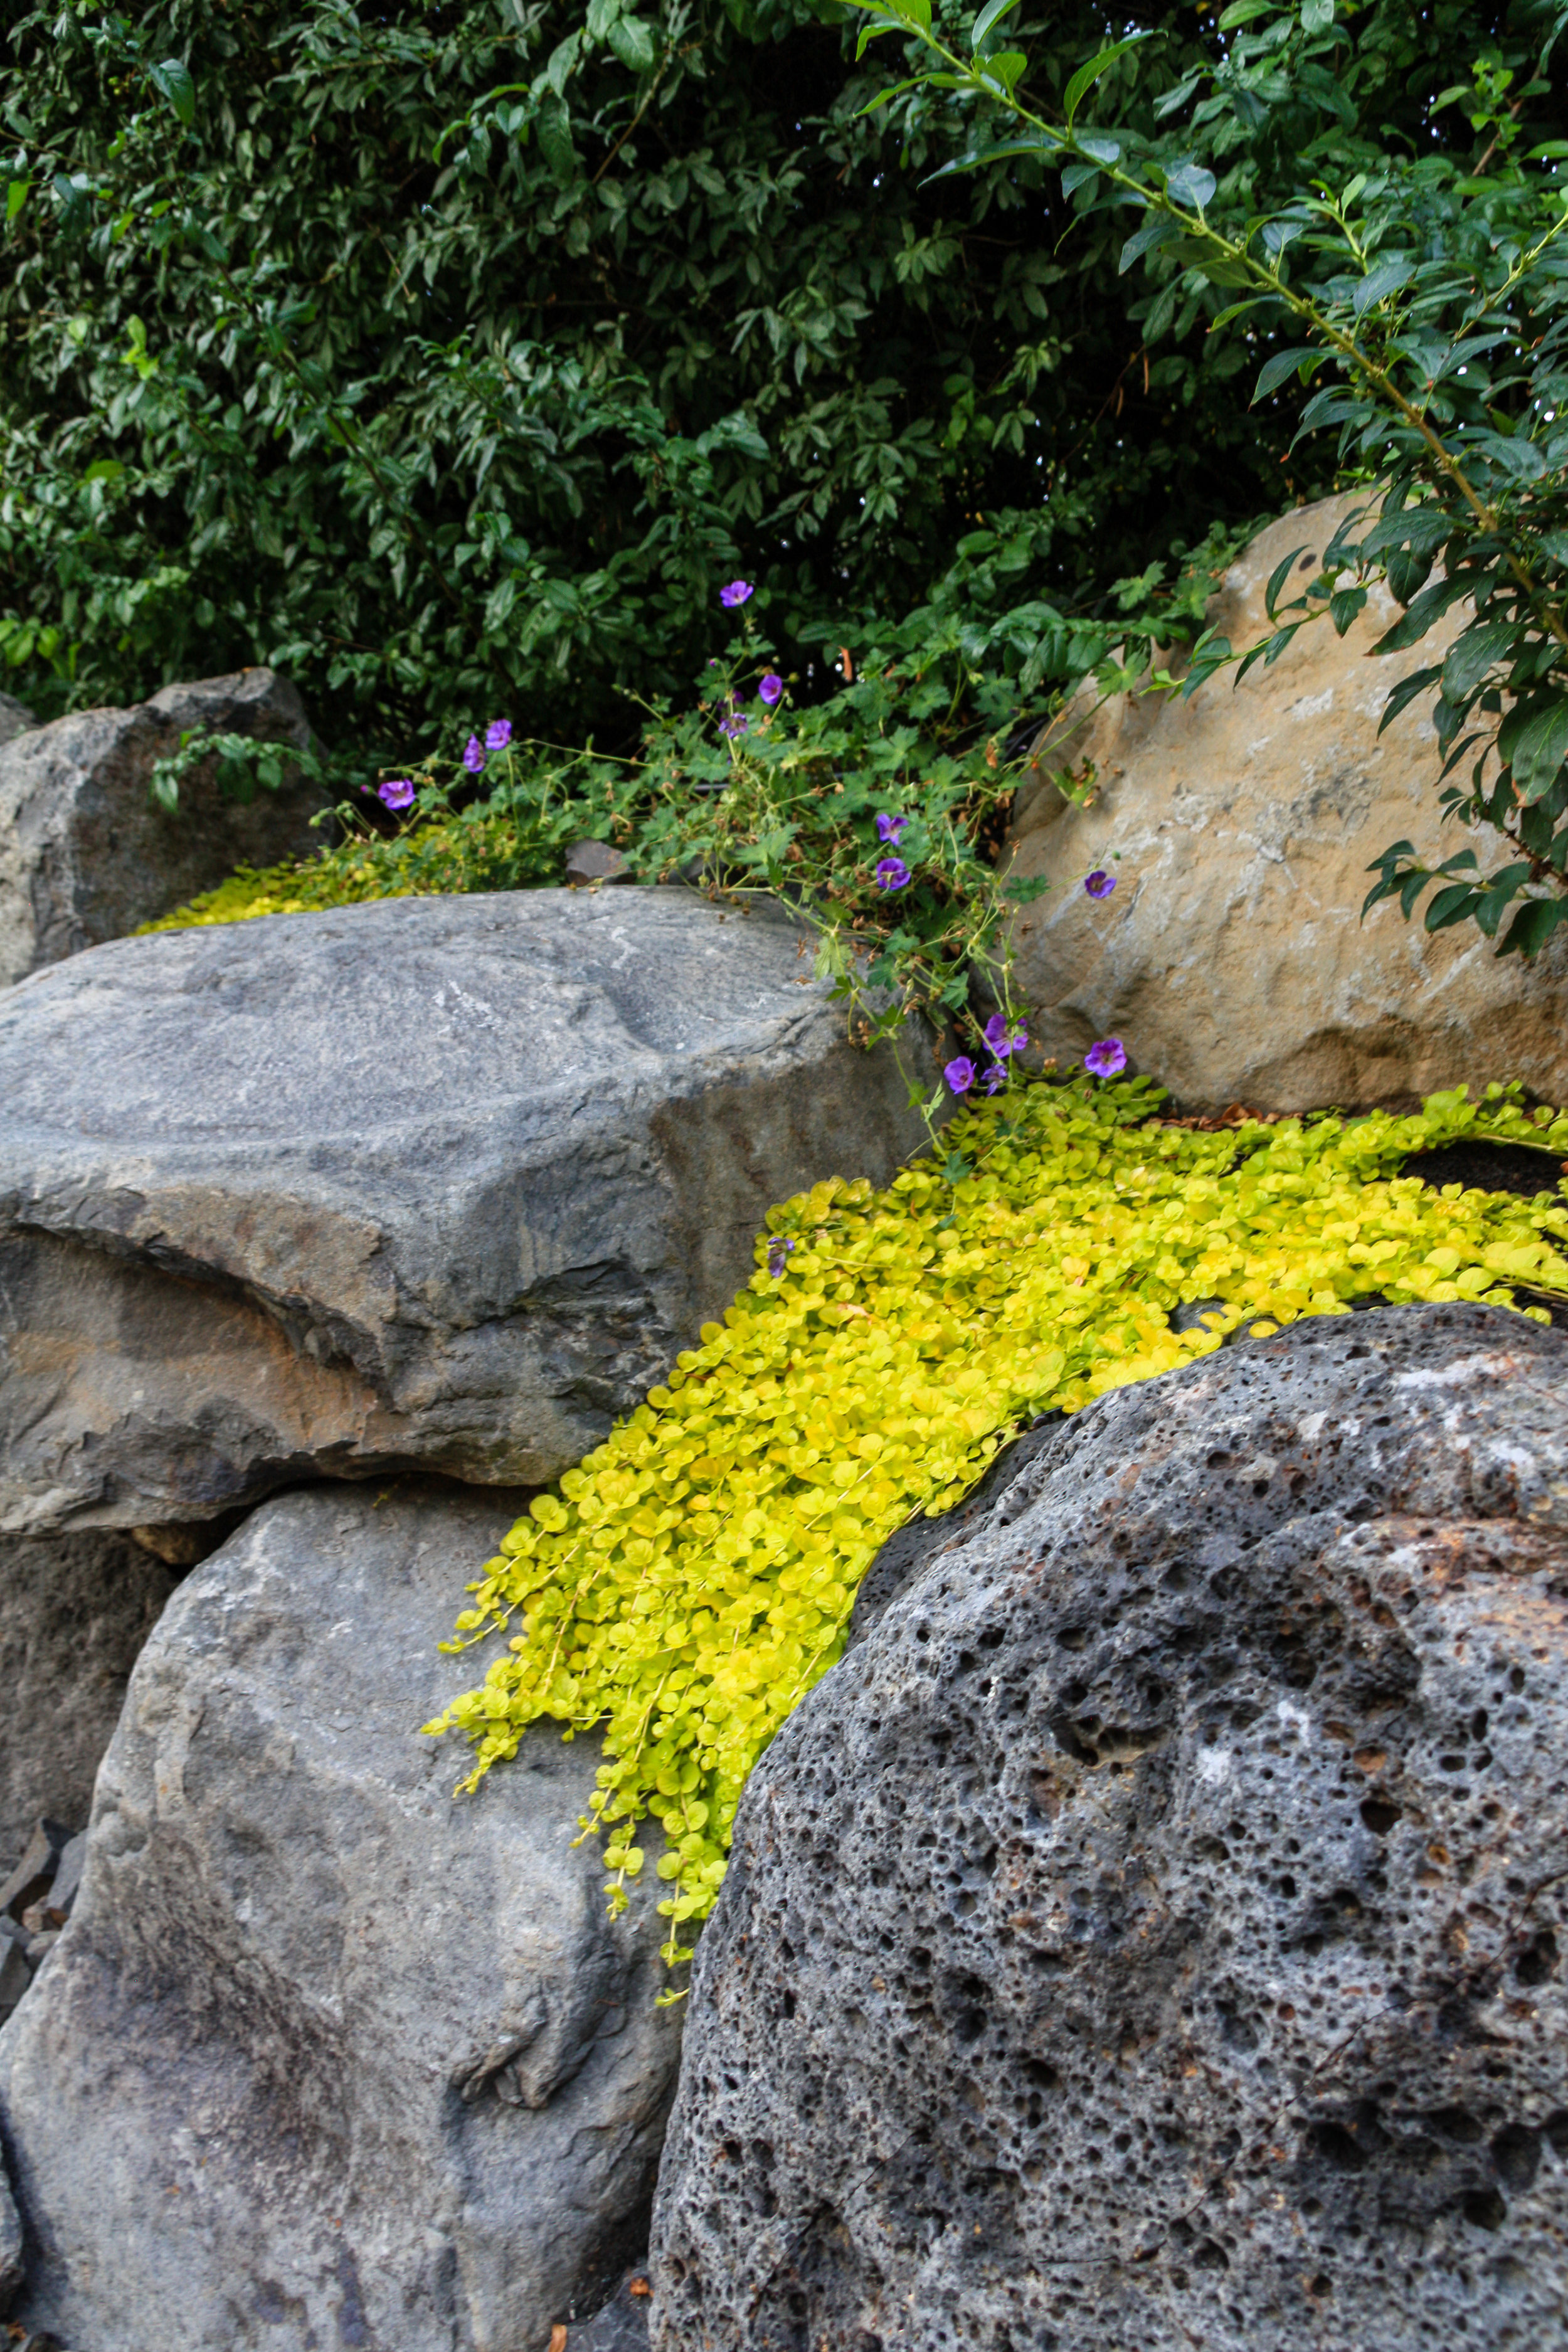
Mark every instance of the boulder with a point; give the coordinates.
(1231, 959)
(85, 855)
(1155, 1932)
(440, 1181)
(324, 2057)
(10, 2245)
(74, 1612)
(14, 719)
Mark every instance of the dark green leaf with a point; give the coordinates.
(173, 81)
(1274, 371)
(990, 16)
(1155, 232)
(1539, 749)
(1384, 278)
(1532, 926)
(1452, 906)
(1190, 184)
(1473, 654)
(634, 43)
(1500, 890)
(1083, 81)
(1278, 577)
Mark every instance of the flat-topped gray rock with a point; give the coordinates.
(440, 1181)
(85, 855)
(324, 2057)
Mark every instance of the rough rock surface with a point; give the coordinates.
(10, 2245)
(441, 1181)
(1154, 1934)
(324, 2058)
(14, 719)
(1231, 958)
(74, 1612)
(85, 856)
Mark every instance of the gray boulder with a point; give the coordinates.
(442, 1181)
(14, 719)
(10, 2245)
(1154, 1933)
(323, 2057)
(85, 856)
(74, 1612)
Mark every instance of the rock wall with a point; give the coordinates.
(1154, 1933)
(1231, 959)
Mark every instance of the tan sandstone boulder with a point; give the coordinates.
(1231, 959)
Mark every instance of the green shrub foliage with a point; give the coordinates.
(450, 356)
(1432, 291)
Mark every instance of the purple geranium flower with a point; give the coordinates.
(1002, 1040)
(779, 1252)
(892, 874)
(398, 795)
(736, 726)
(1106, 1058)
(996, 1076)
(770, 687)
(1100, 883)
(473, 758)
(890, 827)
(498, 734)
(735, 594)
(959, 1075)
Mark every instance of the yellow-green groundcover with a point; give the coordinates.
(687, 1584)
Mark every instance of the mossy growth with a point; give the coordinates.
(479, 849)
(684, 1587)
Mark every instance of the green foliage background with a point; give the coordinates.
(450, 357)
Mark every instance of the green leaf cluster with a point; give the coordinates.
(681, 1590)
(1433, 288)
(449, 357)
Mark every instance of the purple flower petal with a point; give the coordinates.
(732, 726)
(398, 795)
(779, 1251)
(1004, 1040)
(996, 1076)
(890, 827)
(959, 1075)
(770, 687)
(498, 734)
(1105, 1059)
(892, 874)
(735, 594)
(1100, 883)
(473, 758)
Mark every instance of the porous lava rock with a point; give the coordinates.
(1152, 1933)
(324, 2057)
(440, 1183)
(73, 1612)
(85, 855)
(1231, 958)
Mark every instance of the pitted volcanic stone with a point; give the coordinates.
(443, 1182)
(1152, 1935)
